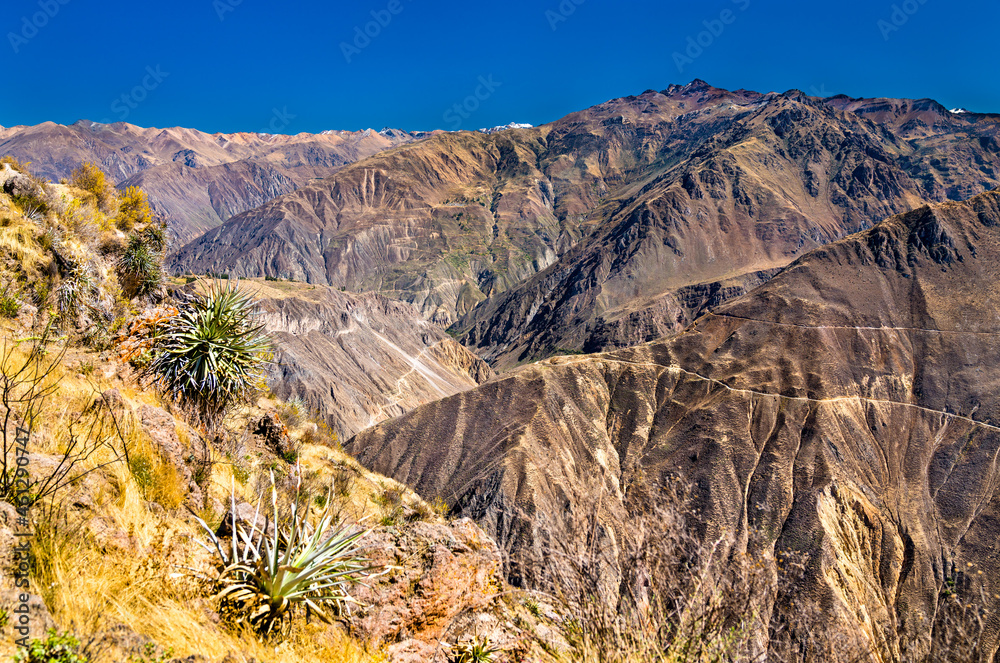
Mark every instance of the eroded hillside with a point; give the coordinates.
(846, 410)
(359, 359)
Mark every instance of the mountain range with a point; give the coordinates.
(611, 226)
(194, 180)
(787, 303)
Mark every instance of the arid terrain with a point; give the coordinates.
(844, 410)
(690, 375)
(614, 225)
(193, 179)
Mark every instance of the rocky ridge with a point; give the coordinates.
(846, 410)
(607, 227)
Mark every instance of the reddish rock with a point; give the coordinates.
(162, 430)
(436, 573)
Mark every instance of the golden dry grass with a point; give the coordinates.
(92, 583)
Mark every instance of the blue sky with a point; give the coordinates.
(255, 65)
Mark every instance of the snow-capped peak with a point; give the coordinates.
(512, 125)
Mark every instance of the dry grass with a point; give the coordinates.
(111, 564)
(93, 589)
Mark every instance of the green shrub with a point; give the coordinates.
(55, 648)
(264, 577)
(149, 654)
(212, 354)
(10, 307)
(141, 468)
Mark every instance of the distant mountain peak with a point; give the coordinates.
(697, 85)
(504, 127)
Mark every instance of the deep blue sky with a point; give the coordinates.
(264, 56)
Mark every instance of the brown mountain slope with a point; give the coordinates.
(357, 360)
(637, 213)
(194, 179)
(452, 220)
(787, 175)
(847, 409)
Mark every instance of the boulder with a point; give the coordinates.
(274, 434)
(18, 184)
(436, 572)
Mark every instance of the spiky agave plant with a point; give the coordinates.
(268, 572)
(138, 267)
(213, 353)
(477, 650)
(76, 291)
